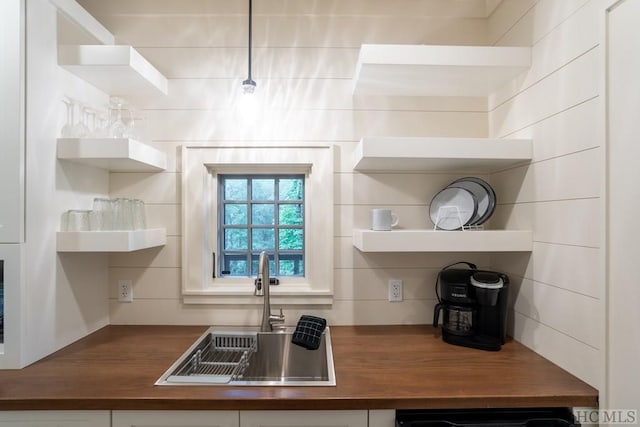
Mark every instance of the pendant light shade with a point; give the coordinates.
(248, 85)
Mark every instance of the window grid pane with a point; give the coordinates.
(235, 213)
(235, 189)
(268, 206)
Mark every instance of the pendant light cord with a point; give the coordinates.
(249, 86)
(250, 35)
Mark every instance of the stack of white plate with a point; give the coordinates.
(465, 202)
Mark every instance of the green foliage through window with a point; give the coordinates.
(261, 212)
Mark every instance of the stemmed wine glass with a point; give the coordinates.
(92, 125)
(67, 129)
(101, 125)
(83, 121)
(80, 130)
(117, 128)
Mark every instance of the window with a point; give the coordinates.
(240, 199)
(261, 213)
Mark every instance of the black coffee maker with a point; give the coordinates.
(474, 306)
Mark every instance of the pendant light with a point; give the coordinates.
(249, 86)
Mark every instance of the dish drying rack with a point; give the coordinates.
(457, 215)
(220, 358)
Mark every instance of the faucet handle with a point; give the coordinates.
(277, 318)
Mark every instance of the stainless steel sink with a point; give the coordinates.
(244, 356)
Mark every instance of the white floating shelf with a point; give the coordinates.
(443, 241)
(110, 241)
(440, 154)
(116, 70)
(84, 27)
(422, 70)
(114, 154)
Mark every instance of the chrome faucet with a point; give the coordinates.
(262, 289)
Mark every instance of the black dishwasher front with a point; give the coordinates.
(525, 417)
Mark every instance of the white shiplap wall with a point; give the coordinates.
(558, 288)
(304, 58)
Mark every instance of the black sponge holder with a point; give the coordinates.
(308, 333)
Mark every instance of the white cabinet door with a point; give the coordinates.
(55, 419)
(624, 201)
(175, 419)
(303, 418)
(382, 418)
(12, 121)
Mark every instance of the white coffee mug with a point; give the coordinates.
(383, 219)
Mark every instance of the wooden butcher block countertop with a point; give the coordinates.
(377, 367)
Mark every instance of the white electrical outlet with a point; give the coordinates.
(125, 291)
(395, 290)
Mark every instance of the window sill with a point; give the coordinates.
(281, 296)
(234, 291)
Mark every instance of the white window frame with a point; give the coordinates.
(200, 167)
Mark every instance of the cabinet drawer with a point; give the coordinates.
(175, 418)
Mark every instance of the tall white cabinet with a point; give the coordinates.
(12, 66)
(623, 204)
(12, 182)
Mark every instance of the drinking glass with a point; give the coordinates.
(104, 213)
(75, 220)
(139, 220)
(95, 221)
(64, 221)
(123, 212)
